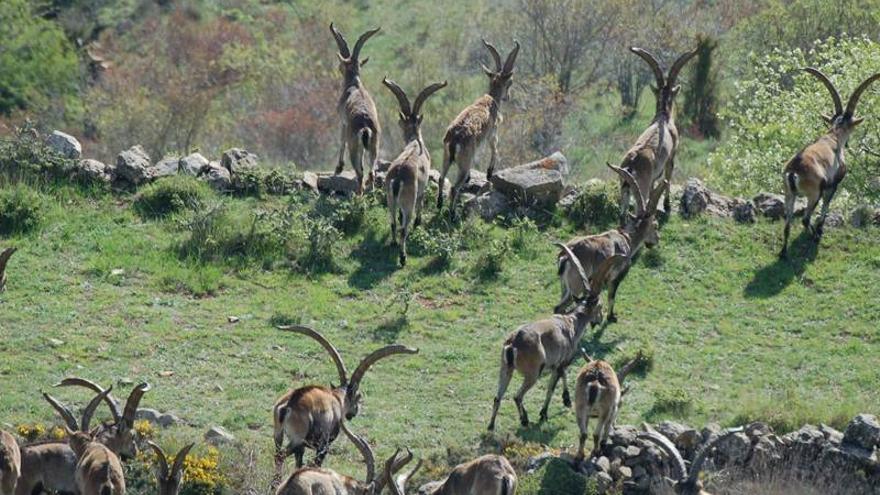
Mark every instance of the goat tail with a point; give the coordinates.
(791, 177)
(366, 136)
(594, 391)
(451, 148)
(106, 490)
(509, 355)
(505, 486)
(395, 187)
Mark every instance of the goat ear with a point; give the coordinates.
(419, 119)
(676, 89)
(654, 90)
(827, 119)
(401, 115)
(341, 58)
(857, 121)
(488, 71)
(94, 432)
(364, 61)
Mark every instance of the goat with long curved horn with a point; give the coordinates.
(817, 170)
(311, 416)
(98, 470)
(475, 124)
(406, 182)
(652, 157)
(361, 132)
(170, 478)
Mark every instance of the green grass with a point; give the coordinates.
(734, 333)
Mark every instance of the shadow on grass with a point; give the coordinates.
(536, 432)
(388, 331)
(594, 346)
(772, 279)
(377, 261)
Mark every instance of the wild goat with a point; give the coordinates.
(170, 479)
(475, 124)
(311, 416)
(98, 470)
(47, 467)
(4, 259)
(653, 154)
(818, 169)
(398, 486)
(627, 240)
(487, 475)
(597, 394)
(407, 177)
(318, 481)
(10, 463)
(686, 483)
(118, 436)
(551, 344)
(360, 121)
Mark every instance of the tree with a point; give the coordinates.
(701, 96)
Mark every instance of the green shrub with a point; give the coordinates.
(323, 239)
(596, 205)
(345, 214)
(21, 209)
(672, 401)
(206, 227)
(491, 262)
(25, 156)
(442, 246)
(525, 239)
(171, 195)
(556, 477)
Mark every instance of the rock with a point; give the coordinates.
(164, 420)
(632, 451)
(670, 430)
(602, 464)
(770, 205)
(488, 205)
(623, 435)
(192, 164)
(834, 219)
(165, 167)
(569, 197)
(865, 216)
(217, 177)
(710, 430)
(92, 171)
(540, 182)
(310, 181)
(535, 462)
(604, 482)
(476, 183)
(344, 183)
(65, 145)
(831, 434)
(765, 453)
(218, 435)
(624, 472)
(133, 166)
(56, 342)
(734, 449)
(743, 211)
(698, 199)
(237, 159)
(863, 431)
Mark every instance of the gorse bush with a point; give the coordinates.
(596, 205)
(491, 262)
(436, 243)
(778, 112)
(345, 214)
(171, 195)
(323, 239)
(21, 209)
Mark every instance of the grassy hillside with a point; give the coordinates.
(734, 333)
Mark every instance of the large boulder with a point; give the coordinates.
(865, 216)
(488, 205)
(863, 431)
(477, 182)
(743, 211)
(698, 199)
(192, 164)
(165, 167)
(64, 144)
(133, 166)
(310, 181)
(770, 205)
(540, 182)
(217, 177)
(344, 183)
(237, 159)
(92, 171)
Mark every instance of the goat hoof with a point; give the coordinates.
(491, 427)
(402, 260)
(566, 400)
(543, 417)
(339, 169)
(612, 318)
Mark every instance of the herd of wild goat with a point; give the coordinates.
(88, 463)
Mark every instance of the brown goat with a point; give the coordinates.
(686, 482)
(49, 467)
(311, 416)
(487, 475)
(653, 154)
(597, 394)
(475, 124)
(357, 111)
(10, 463)
(118, 436)
(407, 177)
(818, 169)
(4, 259)
(170, 480)
(552, 344)
(318, 481)
(627, 240)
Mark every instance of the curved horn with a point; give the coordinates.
(340, 42)
(63, 411)
(835, 95)
(394, 464)
(134, 400)
(628, 367)
(179, 459)
(90, 409)
(334, 354)
(402, 99)
(850, 105)
(398, 486)
(629, 179)
(600, 275)
(365, 450)
(94, 387)
(420, 99)
(495, 56)
(511, 59)
(652, 61)
(361, 41)
(163, 460)
(700, 458)
(375, 356)
(4, 258)
(678, 65)
(577, 264)
(665, 445)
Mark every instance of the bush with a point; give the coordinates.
(675, 401)
(21, 210)
(25, 156)
(171, 195)
(345, 214)
(491, 262)
(525, 237)
(323, 239)
(441, 245)
(596, 205)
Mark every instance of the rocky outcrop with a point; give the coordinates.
(236, 160)
(64, 144)
(165, 167)
(488, 205)
(540, 182)
(343, 184)
(133, 166)
(217, 177)
(192, 164)
(90, 171)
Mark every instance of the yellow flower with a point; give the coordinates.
(144, 428)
